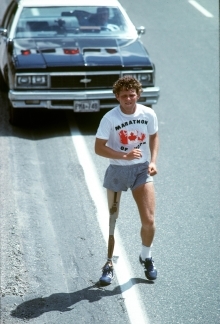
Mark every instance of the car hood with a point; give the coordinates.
(41, 53)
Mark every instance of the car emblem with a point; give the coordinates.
(85, 80)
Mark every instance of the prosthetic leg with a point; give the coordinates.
(113, 205)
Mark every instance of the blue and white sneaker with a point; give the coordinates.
(149, 268)
(107, 275)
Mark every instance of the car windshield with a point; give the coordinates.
(68, 21)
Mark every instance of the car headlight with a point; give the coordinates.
(32, 80)
(24, 80)
(144, 78)
(39, 80)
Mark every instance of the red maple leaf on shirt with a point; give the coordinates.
(127, 137)
(132, 136)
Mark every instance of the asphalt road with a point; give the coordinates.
(52, 247)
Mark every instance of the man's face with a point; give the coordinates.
(104, 16)
(127, 100)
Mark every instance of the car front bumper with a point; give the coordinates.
(65, 99)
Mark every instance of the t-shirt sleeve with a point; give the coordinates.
(104, 129)
(152, 125)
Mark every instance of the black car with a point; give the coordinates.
(66, 54)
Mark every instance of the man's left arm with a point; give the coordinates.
(154, 147)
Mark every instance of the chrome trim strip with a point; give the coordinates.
(18, 98)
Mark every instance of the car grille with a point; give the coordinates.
(77, 81)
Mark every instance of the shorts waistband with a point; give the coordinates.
(131, 166)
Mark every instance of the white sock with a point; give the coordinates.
(145, 252)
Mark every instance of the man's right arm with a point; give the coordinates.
(103, 150)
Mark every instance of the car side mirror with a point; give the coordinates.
(10, 46)
(3, 32)
(141, 30)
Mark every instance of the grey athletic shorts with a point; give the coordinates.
(121, 177)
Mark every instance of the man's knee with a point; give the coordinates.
(113, 202)
(148, 222)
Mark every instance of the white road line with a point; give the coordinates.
(200, 8)
(133, 303)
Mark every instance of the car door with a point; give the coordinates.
(6, 24)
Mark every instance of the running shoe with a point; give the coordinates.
(107, 275)
(149, 268)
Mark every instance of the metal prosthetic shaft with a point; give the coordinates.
(113, 202)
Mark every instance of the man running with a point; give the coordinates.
(128, 137)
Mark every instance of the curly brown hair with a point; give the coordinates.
(125, 83)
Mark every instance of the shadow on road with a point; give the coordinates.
(63, 302)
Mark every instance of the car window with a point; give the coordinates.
(68, 21)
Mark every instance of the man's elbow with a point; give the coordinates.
(97, 149)
(100, 146)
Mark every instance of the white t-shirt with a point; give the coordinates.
(125, 132)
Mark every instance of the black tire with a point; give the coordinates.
(3, 85)
(16, 115)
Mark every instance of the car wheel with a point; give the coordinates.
(16, 115)
(3, 85)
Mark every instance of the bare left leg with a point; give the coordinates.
(144, 196)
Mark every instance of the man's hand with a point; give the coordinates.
(134, 154)
(152, 169)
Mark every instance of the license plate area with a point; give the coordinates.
(86, 105)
